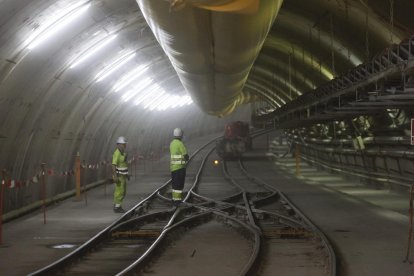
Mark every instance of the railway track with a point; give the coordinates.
(301, 248)
(230, 223)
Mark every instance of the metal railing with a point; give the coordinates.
(396, 59)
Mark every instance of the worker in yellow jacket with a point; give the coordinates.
(119, 173)
(178, 164)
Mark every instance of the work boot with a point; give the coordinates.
(119, 210)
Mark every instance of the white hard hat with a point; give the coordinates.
(121, 140)
(178, 133)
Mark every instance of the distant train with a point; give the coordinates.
(236, 140)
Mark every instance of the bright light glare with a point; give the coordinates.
(148, 93)
(129, 77)
(174, 101)
(118, 63)
(56, 23)
(154, 99)
(141, 97)
(93, 50)
(138, 88)
(166, 102)
(160, 102)
(128, 95)
(185, 100)
(142, 84)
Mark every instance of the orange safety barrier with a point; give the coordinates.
(43, 188)
(78, 175)
(297, 159)
(3, 180)
(410, 231)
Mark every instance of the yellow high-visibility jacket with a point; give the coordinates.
(178, 155)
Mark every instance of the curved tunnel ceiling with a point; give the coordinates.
(308, 44)
(312, 42)
(47, 107)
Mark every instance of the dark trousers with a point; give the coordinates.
(178, 179)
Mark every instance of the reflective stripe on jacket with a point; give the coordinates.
(121, 170)
(177, 151)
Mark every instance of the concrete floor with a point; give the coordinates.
(28, 242)
(368, 227)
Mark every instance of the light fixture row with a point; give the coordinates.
(144, 90)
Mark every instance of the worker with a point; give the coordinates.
(119, 173)
(178, 162)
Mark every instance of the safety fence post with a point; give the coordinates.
(83, 183)
(108, 176)
(43, 187)
(152, 160)
(410, 227)
(135, 165)
(78, 175)
(3, 183)
(297, 159)
(145, 162)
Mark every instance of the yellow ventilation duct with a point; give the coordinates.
(212, 44)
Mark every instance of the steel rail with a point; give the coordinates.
(171, 225)
(86, 246)
(103, 234)
(227, 205)
(325, 240)
(305, 223)
(244, 193)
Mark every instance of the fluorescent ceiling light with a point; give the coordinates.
(185, 100)
(56, 23)
(114, 66)
(173, 102)
(143, 84)
(168, 102)
(188, 100)
(128, 95)
(179, 102)
(131, 93)
(93, 50)
(128, 78)
(149, 92)
(154, 99)
(163, 103)
(159, 102)
(155, 91)
(141, 97)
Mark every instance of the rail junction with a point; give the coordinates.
(246, 219)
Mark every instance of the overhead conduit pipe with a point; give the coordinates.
(212, 45)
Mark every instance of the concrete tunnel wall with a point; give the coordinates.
(49, 112)
(53, 133)
(45, 118)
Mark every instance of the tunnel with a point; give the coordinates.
(334, 79)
